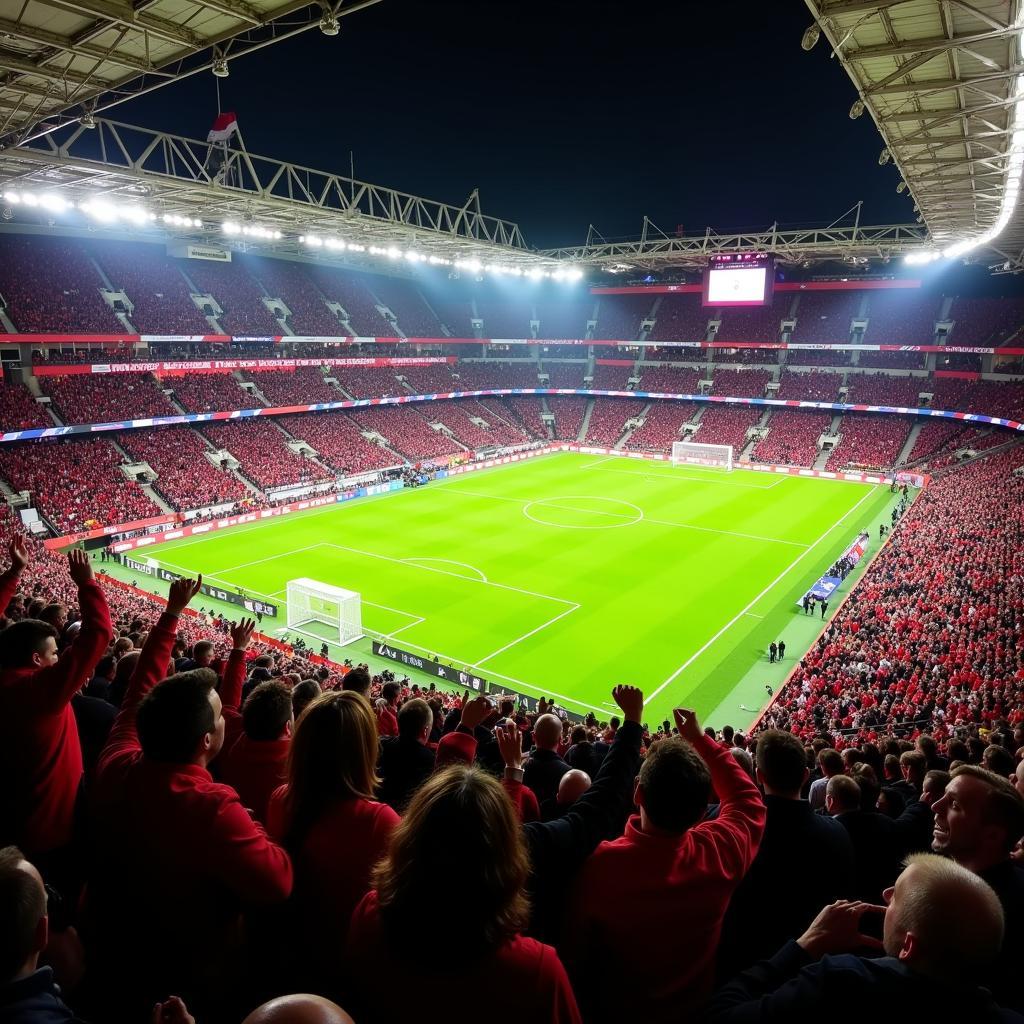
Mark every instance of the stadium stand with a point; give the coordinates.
(238, 295)
(339, 443)
(369, 381)
(760, 324)
(263, 455)
(608, 419)
(458, 418)
(740, 383)
(153, 283)
(407, 431)
(813, 386)
(351, 292)
(568, 413)
(872, 441)
(885, 389)
(825, 316)
(619, 316)
(415, 318)
(185, 478)
(74, 483)
(106, 399)
(662, 425)
(895, 319)
(210, 392)
(725, 424)
(985, 321)
(681, 318)
(49, 283)
(792, 438)
(302, 386)
(19, 410)
(290, 282)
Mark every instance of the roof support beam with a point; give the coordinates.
(123, 14)
(933, 45)
(935, 85)
(58, 42)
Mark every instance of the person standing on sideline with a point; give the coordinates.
(773, 650)
(824, 608)
(782, 649)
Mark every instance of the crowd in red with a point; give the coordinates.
(407, 431)
(608, 419)
(339, 443)
(727, 424)
(792, 438)
(568, 413)
(305, 385)
(211, 392)
(873, 441)
(662, 424)
(457, 416)
(101, 398)
(185, 478)
(76, 485)
(263, 454)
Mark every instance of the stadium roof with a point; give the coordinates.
(62, 59)
(943, 81)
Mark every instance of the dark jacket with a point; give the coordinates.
(876, 851)
(542, 773)
(791, 987)
(1008, 882)
(405, 764)
(34, 1000)
(558, 848)
(805, 861)
(95, 719)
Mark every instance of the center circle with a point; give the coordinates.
(609, 514)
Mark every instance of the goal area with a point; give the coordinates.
(323, 611)
(692, 453)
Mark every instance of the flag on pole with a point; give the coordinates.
(223, 128)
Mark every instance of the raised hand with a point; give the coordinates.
(241, 633)
(837, 929)
(79, 566)
(475, 711)
(510, 744)
(173, 1011)
(687, 724)
(182, 591)
(18, 549)
(631, 700)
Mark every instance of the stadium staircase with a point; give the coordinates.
(584, 426)
(822, 460)
(7, 323)
(908, 447)
(641, 416)
(155, 496)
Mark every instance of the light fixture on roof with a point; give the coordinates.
(87, 120)
(810, 37)
(220, 68)
(901, 187)
(329, 23)
(856, 109)
(884, 157)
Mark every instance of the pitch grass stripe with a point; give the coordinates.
(553, 503)
(645, 468)
(526, 636)
(782, 575)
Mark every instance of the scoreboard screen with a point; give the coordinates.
(739, 279)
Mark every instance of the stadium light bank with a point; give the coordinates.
(1011, 193)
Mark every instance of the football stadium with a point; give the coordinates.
(417, 519)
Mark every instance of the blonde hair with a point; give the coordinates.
(954, 915)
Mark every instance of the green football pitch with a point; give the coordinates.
(566, 574)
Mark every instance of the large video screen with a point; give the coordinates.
(739, 281)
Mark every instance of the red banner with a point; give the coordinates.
(228, 365)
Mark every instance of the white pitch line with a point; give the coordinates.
(481, 575)
(646, 470)
(260, 561)
(732, 622)
(444, 572)
(526, 636)
(552, 503)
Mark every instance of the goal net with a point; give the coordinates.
(690, 453)
(324, 612)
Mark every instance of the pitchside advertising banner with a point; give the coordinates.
(460, 677)
(152, 568)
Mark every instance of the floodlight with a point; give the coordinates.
(884, 157)
(810, 37)
(329, 24)
(87, 120)
(220, 68)
(856, 109)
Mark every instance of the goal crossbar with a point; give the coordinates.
(693, 453)
(324, 611)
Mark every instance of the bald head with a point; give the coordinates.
(299, 1009)
(547, 732)
(942, 920)
(573, 785)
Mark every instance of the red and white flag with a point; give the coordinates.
(223, 128)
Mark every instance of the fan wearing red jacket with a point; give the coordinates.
(670, 870)
(40, 753)
(177, 855)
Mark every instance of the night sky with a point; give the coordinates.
(564, 113)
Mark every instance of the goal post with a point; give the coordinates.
(323, 611)
(692, 453)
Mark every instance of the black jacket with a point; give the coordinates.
(877, 852)
(1008, 882)
(405, 764)
(34, 1000)
(805, 861)
(542, 773)
(790, 987)
(558, 848)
